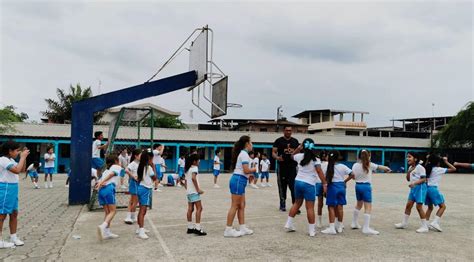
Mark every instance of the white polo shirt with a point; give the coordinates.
(307, 173)
(6, 176)
(360, 175)
(242, 159)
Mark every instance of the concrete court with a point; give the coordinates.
(168, 240)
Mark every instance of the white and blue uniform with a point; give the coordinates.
(132, 183)
(144, 189)
(8, 186)
(239, 179)
(265, 163)
(363, 181)
(433, 196)
(181, 164)
(418, 193)
(97, 162)
(172, 179)
(255, 163)
(49, 163)
(124, 161)
(157, 162)
(336, 192)
(319, 184)
(32, 171)
(306, 178)
(217, 167)
(191, 192)
(107, 191)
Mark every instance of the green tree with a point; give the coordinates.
(458, 132)
(60, 111)
(8, 116)
(165, 122)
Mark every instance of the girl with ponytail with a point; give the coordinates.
(146, 178)
(309, 173)
(416, 175)
(336, 192)
(238, 182)
(433, 196)
(131, 171)
(362, 171)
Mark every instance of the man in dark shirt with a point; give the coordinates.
(283, 147)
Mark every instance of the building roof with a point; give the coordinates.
(63, 131)
(272, 122)
(305, 114)
(146, 105)
(422, 119)
(237, 120)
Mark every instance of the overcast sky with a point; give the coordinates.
(392, 59)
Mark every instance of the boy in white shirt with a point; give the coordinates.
(97, 162)
(216, 167)
(32, 171)
(124, 160)
(49, 159)
(265, 171)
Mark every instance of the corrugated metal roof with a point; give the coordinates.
(62, 131)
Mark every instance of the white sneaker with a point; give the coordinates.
(179, 185)
(355, 226)
(128, 221)
(216, 186)
(370, 231)
(422, 229)
(290, 227)
(340, 228)
(312, 233)
(157, 190)
(269, 185)
(134, 219)
(246, 231)
(101, 233)
(253, 186)
(110, 235)
(138, 231)
(318, 224)
(143, 236)
(262, 185)
(46, 186)
(401, 226)
(4, 244)
(435, 227)
(329, 231)
(51, 185)
(160, 185)
(231, 233)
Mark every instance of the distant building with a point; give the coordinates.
(157, 111)
(334, 122)
(254, 125)
(420, 127)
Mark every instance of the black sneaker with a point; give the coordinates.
(200, 232)
(191, 231)
(282, 209)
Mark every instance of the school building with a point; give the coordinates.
(390, 151)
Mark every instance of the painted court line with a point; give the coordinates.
(222, 221)
(160, 239)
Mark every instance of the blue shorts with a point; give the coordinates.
(122, 172)
(418, 193)
(237, 184)
(170, 180)
(8, 198)
(144, 195)
(181, 171)
(107, 195)
(97, 163)
(158, 172)
(132, 186)
(319, 189)
(364, 192)
(193, 197)
(49, 170)
(265, 175)
(433, 196)
(255, 175)
(336, 194)
(33, 174)
(216, 172)
(304, 191)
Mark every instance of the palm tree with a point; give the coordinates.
(60, 111)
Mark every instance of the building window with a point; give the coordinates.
(352, 133)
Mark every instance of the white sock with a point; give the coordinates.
(228, 228)
(13, 236)
(405, 219)
(366, 221)
(129, 215)
(190, 225)
(133, 215)
(311, 227)
(424, 223)
(141, 231)
(290, 220)
(436, 219)
(243, 226)
(198, 226)
(332, 226)
(355, 217)
(104, 225)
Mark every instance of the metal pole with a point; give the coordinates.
(152, 125)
